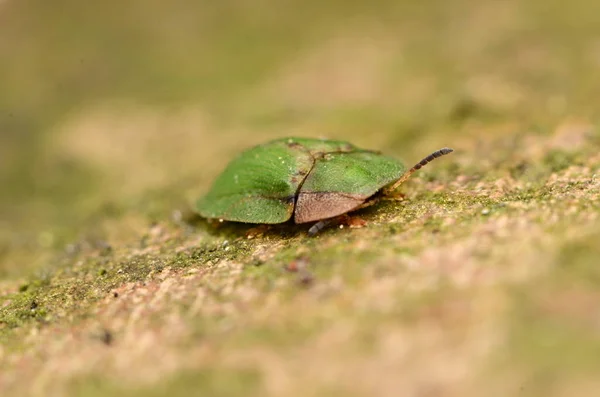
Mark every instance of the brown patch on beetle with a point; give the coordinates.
(314, 206)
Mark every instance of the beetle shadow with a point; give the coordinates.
(286, 230)
(228, 229)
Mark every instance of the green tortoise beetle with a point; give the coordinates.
(311, 180)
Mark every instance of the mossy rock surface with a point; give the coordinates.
(483, 280)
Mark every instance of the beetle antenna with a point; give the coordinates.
(418, 166)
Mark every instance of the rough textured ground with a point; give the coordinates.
(484, 281)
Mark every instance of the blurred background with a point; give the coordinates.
(125, 110)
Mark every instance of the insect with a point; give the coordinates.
(309, 180)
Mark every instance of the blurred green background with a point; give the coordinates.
(116, 115)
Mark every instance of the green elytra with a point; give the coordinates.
(307, 179)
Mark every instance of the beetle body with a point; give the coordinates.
(303, 179)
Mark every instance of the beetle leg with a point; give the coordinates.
(257, 231)
(367, 204)
(354, 221)
(395, 196)
(317, 227)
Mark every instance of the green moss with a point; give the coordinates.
(78, 282)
